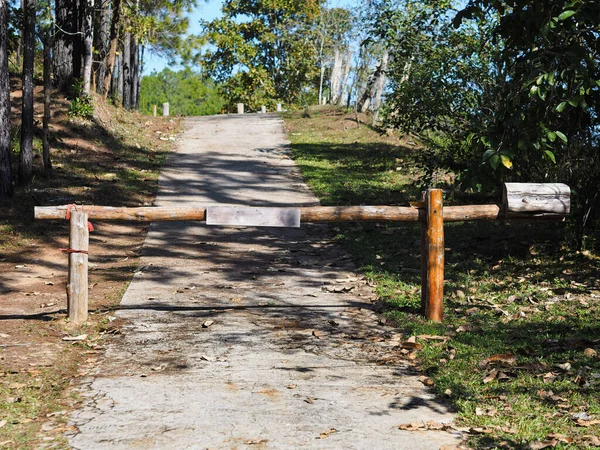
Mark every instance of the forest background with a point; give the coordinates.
(492, 90)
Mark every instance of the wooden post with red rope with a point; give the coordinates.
(77, 284)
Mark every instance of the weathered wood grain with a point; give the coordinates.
(435, 256)
(77, 284)
(527, 198)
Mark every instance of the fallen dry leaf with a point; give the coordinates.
(538, 445)
(548, 377)
(256, 441)
(560, 437)
(491, 376)
(326, 434)
(507, 359)
(503, 376)
(338, 289)
(452, 354)
(591, 440)
(590, 353)
(412, 426)
(411, 345)
(587, 423)
(81, 337)
(208, 323)
(319, 334)
(429, 337)
(292, 386)
(2, 423)
(426, 380)
(309, 400)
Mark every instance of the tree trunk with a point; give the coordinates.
(121, 79)
(6, 189)
(135, 66)
(63, 44)
(101, 44)
(365, 100)
(322, 62)
(114, 41)
(19, 50)
(79, 14)
(336, 76)
(126, 60)
(380, 85)
(139, 83)
(47, 40)
(88, 40)
(344, 82)
(26, 154)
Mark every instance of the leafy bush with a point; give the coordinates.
(82, 105)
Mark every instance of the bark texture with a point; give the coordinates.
(63, 44)
(127, 71)
(88, 39)
(47, 87)
(114, 40)
(6, 189)
(26, 153)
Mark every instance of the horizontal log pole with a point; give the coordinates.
(312, 214)
(140, 214)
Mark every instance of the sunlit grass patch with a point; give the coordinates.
(517, 354)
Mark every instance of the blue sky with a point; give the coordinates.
(206, 10)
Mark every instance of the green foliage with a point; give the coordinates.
(261, 51)
(187, 92)
(162, 26)
(82, 105)
(500, 91)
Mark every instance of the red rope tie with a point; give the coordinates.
(68, 213)
(70, 250)
(68, 216)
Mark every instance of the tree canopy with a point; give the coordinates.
(260, 51)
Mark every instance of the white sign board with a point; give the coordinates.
(252, 217)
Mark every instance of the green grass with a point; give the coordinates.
(513, 289)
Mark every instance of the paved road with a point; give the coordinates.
(246, 337)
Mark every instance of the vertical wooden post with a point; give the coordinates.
(263, 109)
(424, 262)
(77, 284)
(432, 257)
(165, 109)
(279, 107)
(240, 108)
(154, 110)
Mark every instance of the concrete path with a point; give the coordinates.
(249, 338)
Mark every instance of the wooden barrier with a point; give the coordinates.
(430, 213)
(77, 282)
